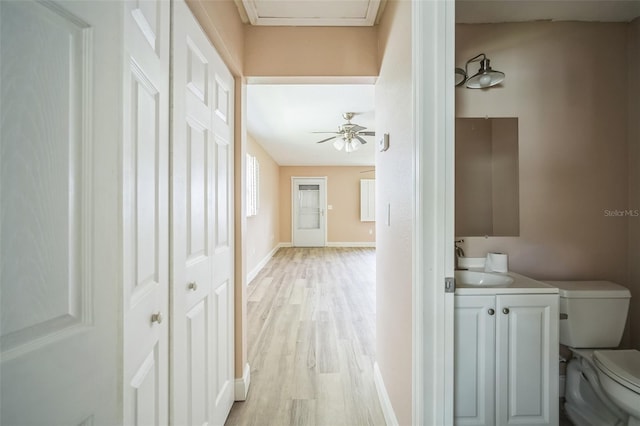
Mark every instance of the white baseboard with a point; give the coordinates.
(242, 384)
(339, 244)
(254, 273)
(355, 244)
(383, 397)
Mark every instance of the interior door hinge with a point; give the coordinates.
(449, 285)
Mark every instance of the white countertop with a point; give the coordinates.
(520, 285)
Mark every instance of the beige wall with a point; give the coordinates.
(263, 230)
(343, 194)
(395, 188)
(310, 51)
(633, 47)
(240, 227)
(567, 84)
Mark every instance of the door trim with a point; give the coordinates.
(323, 202)
(433, 49)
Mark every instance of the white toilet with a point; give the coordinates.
(602, 385)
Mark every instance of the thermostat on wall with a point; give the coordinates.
(383, 143)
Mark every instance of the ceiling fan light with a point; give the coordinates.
(349, 135)
(348, 147)
(352, 145)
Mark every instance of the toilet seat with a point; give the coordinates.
(623, 366)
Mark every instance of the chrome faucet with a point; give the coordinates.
(459, 252)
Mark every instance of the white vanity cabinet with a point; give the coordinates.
(506, 359)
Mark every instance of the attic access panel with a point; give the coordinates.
(312, 12)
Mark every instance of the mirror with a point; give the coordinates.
(487, 189)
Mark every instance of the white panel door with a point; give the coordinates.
(527, 359)
(308, 207)
(145, 190)
(59, 145)
(474, 361)
(202, 290)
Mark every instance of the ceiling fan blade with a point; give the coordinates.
(327, 139)
(336, 133)
(367, 133)
(362, 141)
(356, 128)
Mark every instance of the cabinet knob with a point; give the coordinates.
(491, 312)
(505, 311)
(157, 318)
(193, 286)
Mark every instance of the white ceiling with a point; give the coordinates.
(282, 117)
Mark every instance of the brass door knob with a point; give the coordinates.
(505, 311)
(157, 318)
(491, 311)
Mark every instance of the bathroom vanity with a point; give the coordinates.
(506, 350)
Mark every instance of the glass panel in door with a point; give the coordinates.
(309, 206)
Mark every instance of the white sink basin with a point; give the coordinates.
(484, 279)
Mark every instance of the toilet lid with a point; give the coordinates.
(623, 366)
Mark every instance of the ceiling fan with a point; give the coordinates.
(349, 135)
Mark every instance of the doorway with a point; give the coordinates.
(309, 219)
(313, 190)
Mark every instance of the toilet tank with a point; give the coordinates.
(592, 313)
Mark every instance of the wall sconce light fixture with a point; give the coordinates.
(485, 77)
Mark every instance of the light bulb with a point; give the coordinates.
(338, 144)
(348, 147)
(355, 145)
(485, 80)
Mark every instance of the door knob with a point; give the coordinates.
(491, 312)
(505, 311)
(193, 286)
(157, 318)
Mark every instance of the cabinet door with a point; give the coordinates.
(474, 361)
(527, 359)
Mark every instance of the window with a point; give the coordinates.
(253, 185)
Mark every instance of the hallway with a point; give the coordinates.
(311, 334)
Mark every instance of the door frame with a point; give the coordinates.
(323, 203)
(433, 57)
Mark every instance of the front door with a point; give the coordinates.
(309, 201)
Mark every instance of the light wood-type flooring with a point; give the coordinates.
(311, 340)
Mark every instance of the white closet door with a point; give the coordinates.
(59, 145)
(145, 211)
(202, 317)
